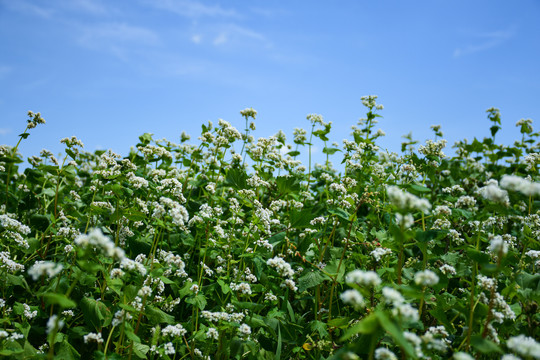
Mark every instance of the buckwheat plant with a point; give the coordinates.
(228, 247)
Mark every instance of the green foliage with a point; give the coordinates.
(190, 251)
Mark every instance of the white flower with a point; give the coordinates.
(367, 278)
(510, 357)
(392, 296)
(498, 246)
(93, 337)
(96, 239)
(54, 323)
(379, 252)
(524, 346)
(42, 268)
(405, 201)
(281, 266)
(524, 186)
(494, 193)
(462, 356)
(352, 297)
(447, 269)
(404, 221)
(244, 329)
(426, 278)
(212, 333)
(384, 354)
(176, 330)
(28, 313)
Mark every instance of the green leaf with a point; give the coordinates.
(140, 350)
(287, 184)
(330, 151)
(39, 222)
(319, 327)
(367, 325)
(59, 299)
(419, 188)
(309, 280)
(67, 351)
(95, 313)
(485, 346)
(300, 219)
(278, 350)
(198, 300)
(158, 316)
(340, 213)
(236, 178)
(396, 333)
(145, 138)
(478, 256)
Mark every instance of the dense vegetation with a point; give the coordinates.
(231, 248)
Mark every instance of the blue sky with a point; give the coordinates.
(110, 70)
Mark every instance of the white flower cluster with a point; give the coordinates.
(42, 268)
(454, 190)
(96, 240)
(404, 221)
(384, 354)
(243, 288)
(72, 141)
(365, 278)
(244, 330)
(54, 323)
(13, 225)
(406, 201)
(467, 202)
(281, 266)
(212, 333)
(222, 316)
(120, 316)
(352, 297)
(494, 193)
(433, 148)
(379, 252)
(93, 337)
(426, 278)
(498, 246)
(28, 313)
(174, 330)
(399, 307)
(524, 186)
(436, 338)
(524, 346)
(447, 269)
(7, 263)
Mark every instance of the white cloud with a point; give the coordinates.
(88, 6)
(196, 38)
(4, 71)
(191, 9)
(486, 41)
(235, 34)
(4, 131)
(26, 7)
(118, 38)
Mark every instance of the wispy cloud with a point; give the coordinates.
(117, 38)
(5, 70)
(228, 35)
(4, 131)
(29, 8)
(89, 7)
(191, 9)
(485, 41)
